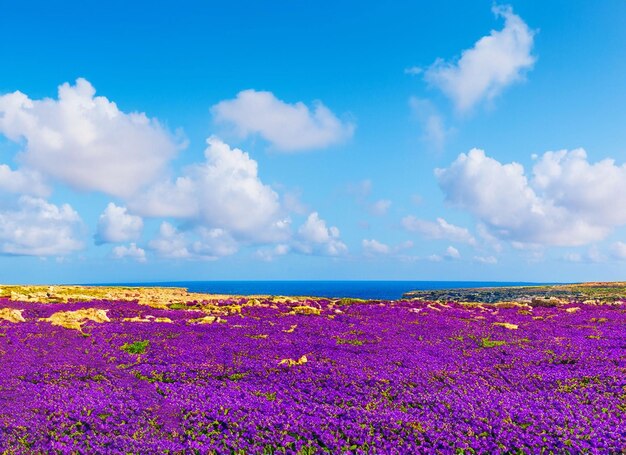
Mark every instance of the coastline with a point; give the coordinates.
(587, 292)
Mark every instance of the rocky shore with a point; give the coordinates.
(593, 292)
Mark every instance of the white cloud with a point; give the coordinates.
(85, 141)
(131, 251)
(440, 229)
(225, 192)
(314, 237)
(568, 201)
(486, 259)
(434, 258)
(213, 243)
(497, 194)
(380, 207)
(484, 71)
(373, 246)
(175, 199)
(224, 204)
(269, 254)
(434, 130)
(452, 253)
(570, 181)
(288, 127)
(170, 243)
(38, 228)
(22, 181)
(117, 225)
(198, 243)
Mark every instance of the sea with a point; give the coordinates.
(375, 290)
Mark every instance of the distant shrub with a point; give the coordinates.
(350, 301)
(489, 343)
(138, 347)
(353, 342)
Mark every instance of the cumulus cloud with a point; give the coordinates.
(439, 229)
(38, 228)
(22, 181)
(198, 243)
(117, 225)
(486, 259)
(485, 70)
(314, 237)
(176, 199)
(452, 253)
(568, 180)
(169, 243)
(269, 254)
(86, 141)
(373, 246)
(213, 243)
(288, 127)
(131, 251)
(223, 204)
(568, 201)
(225, 192)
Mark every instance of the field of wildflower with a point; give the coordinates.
(310, 376)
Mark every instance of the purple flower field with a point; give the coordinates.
(314, 377)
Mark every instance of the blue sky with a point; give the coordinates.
(346, 140)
